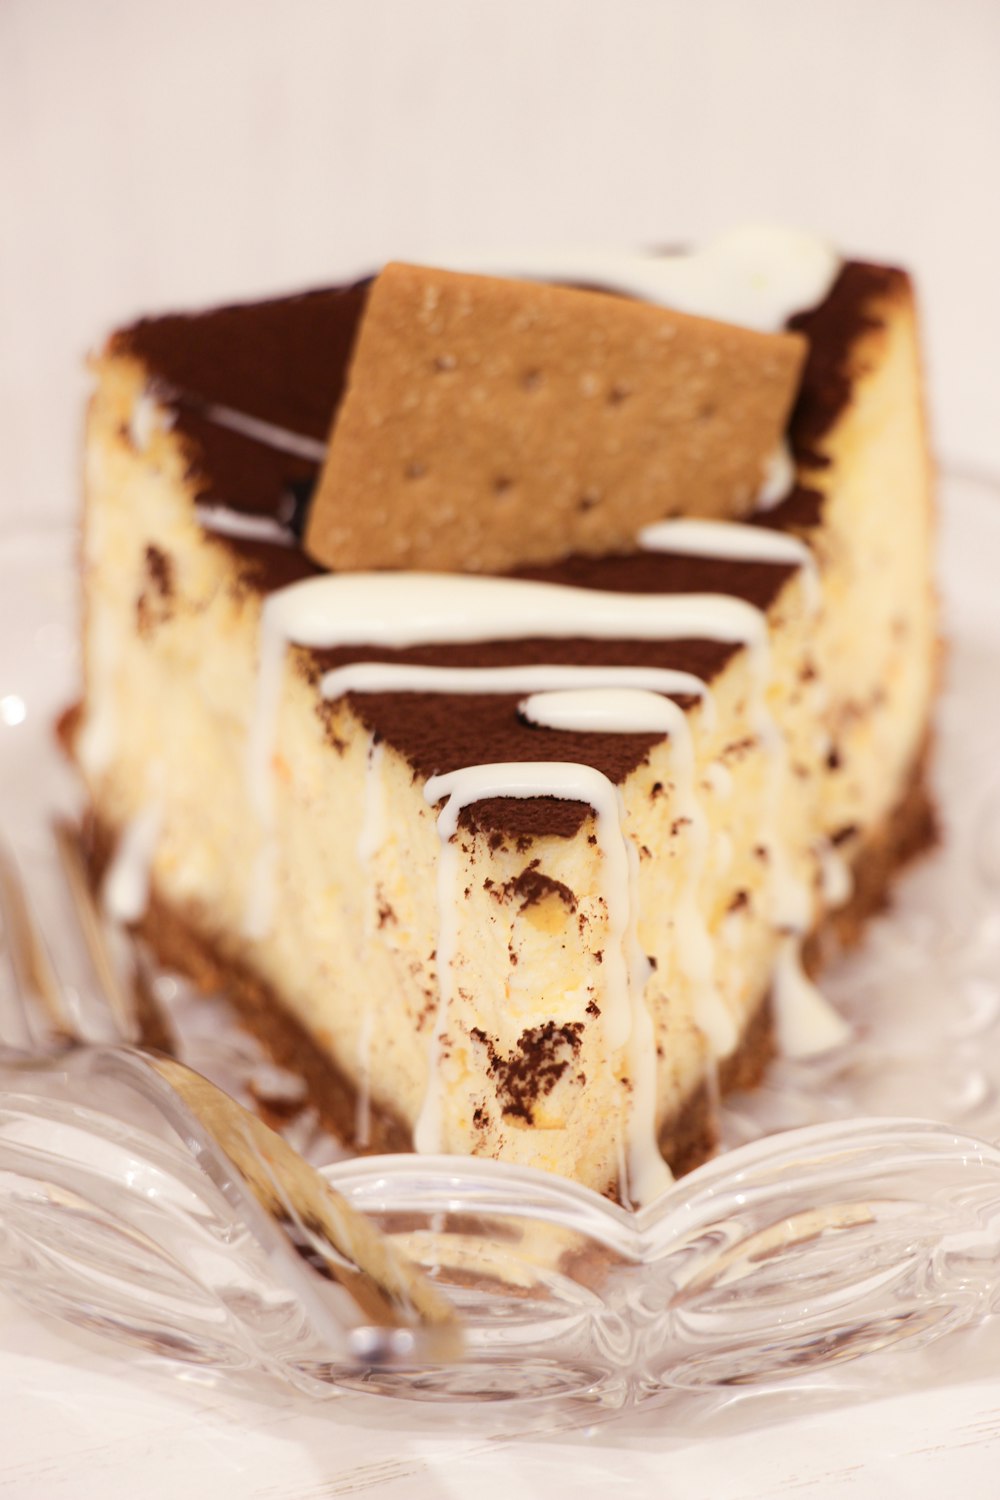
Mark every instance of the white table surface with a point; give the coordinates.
(171, 155)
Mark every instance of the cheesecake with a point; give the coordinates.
(532, 853)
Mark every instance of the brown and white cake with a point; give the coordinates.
(510, 828)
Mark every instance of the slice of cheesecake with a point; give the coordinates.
(516, 866)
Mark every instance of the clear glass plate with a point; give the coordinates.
(836, 1222)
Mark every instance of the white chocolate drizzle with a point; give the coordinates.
(370, 839)
(735, 542)
(779, 478)
(757, 276)
(145, 417)
(805, 1022)
(791, 901)
(243, 526)
(836, 875)
(626, 1022)
(126, 884)
(269, 434)
(630, 711)
(406, 677)
(372, 830)
(410, 609)
(398, 610)
(606, 710)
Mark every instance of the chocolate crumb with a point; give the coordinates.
(532, 887)
(540, 1058)
(842, 835)
(154, 604)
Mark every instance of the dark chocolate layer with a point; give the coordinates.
(282, 361)
(832, 329)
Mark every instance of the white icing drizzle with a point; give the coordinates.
(268, 433)
(791, 903)
(410, 609)
(570, 782)
(836, 875)
(144, 419)
(736, 542)
(125, 888)
(779, 478)
(370, 838)
(609, 710)
(373, 811)
(404, 677)
(757, 276)
(602, 709)
(805, 1022)
(225, 521)
(629, 711)
(625, 967)
(790, 899)
(646, 1173)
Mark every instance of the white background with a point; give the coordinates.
(160, 155)
(168, 154)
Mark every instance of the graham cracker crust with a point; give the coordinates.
(689, 1138)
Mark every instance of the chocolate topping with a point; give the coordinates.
(238, 471)
(832, 329)
(284, 362)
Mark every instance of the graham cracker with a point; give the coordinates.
(489, 424)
